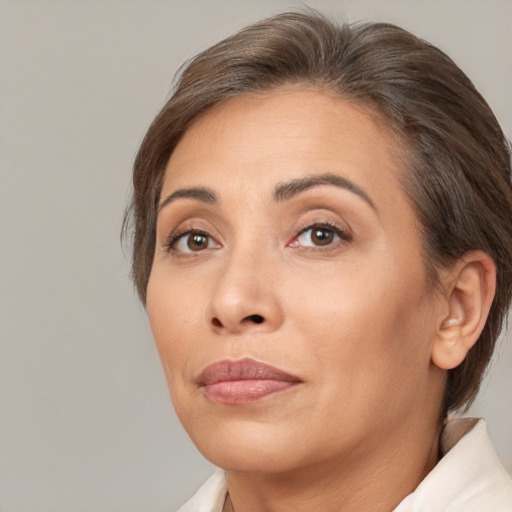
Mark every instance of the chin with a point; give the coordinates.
(248, 447)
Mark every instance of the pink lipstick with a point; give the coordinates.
(243, 381)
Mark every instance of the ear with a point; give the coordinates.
(469, 290)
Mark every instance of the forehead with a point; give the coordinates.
(258, 140)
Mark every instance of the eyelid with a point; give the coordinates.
(342, 235)
(176, 236)
(190, 226)
(325, 220)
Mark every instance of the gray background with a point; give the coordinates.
(85, 419)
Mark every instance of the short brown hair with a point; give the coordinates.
(457, 156)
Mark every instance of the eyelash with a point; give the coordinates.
(174, 238)
(344, 236)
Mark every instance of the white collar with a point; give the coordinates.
(468, 478)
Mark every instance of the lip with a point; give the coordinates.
(243, 381)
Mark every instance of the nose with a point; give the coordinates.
(245, 297)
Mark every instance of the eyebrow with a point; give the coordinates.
(203, 194)
(289, 189)
(282, 192)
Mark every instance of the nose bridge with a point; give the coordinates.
(245, 296)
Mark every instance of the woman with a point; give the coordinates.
(323, 240)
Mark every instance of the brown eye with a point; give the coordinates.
(197, 241)
(320, 236)
(192, 241)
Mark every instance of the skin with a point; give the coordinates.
(355, 319)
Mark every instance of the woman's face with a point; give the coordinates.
(288, 297)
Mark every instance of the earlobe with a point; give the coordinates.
(469, 292)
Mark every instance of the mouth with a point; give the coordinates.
(243, 381)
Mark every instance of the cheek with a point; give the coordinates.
(365, 318)
(172, 313)
(370, 349)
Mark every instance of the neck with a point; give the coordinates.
(378, 482)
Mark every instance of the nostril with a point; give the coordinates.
(257, 319)
(254, 319)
